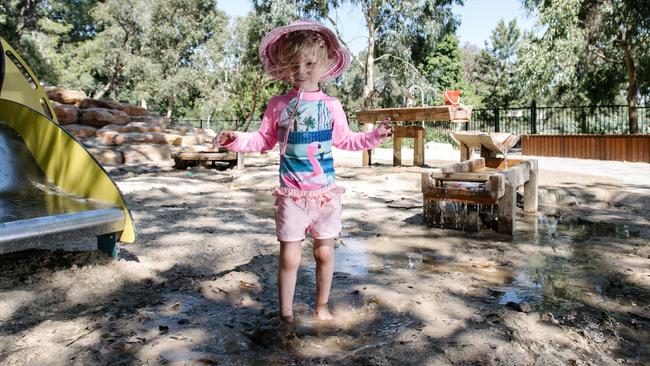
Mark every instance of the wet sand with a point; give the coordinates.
(572, 286)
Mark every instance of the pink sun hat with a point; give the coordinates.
(269, 48)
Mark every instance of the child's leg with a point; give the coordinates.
(324, 256)
(289, 263)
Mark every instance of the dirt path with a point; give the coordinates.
(571, 287)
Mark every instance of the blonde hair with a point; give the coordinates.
(298, 43)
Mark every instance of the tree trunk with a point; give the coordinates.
(632, 88)
(27, 10)
(369, 87)
(249, 118)
(170, 105)
(117, 70)
(103, 90)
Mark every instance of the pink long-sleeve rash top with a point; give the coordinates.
(318, 124)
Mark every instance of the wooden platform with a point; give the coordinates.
(399, 115)
(184, 160)
(434, 113)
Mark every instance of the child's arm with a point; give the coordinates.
(345, 139)
(262, 140)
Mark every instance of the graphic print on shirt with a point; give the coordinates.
(307, 163)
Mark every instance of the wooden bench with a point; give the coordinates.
(184, 160)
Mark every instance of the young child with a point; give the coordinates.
(307, 123)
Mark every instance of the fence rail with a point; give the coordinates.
(605, 120)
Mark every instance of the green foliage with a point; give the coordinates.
(38, 30)
(186, 58)
(498, 75)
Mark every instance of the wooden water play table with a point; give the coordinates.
(398, 116)
(482, 181)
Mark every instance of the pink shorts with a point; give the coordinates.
(300, 212)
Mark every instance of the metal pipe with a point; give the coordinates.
(412, 87)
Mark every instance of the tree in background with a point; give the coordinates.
(471, 75)
(498, 77)
(176, 32)
(593, 47)
(392, 27)
(38, 30)
(108, 56)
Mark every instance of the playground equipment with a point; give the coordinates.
(446, 113)
(51, 189)
(479, 185)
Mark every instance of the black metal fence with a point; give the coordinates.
(607, 120)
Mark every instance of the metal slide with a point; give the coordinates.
(51, 189)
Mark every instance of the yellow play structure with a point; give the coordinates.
(51, 189)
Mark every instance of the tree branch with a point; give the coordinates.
(338, 35)
(385, 55)
(599, 53)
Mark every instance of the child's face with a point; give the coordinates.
(308, 71)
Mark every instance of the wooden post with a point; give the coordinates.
(366, 157)
(240, 160)
(418, 148)
(531, 188)
(397, 151)
(507, 213)
(465, 152)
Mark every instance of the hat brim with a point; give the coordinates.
(269, 47)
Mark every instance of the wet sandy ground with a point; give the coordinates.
(571, 287)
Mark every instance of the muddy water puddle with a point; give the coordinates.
(371, 299)
(579, 274)
(575, 276)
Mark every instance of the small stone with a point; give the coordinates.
(523, 307)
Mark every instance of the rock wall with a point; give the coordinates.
(119, 133)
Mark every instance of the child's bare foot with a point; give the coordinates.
(287, 318)
(323, 313)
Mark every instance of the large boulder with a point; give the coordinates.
(152, 120)
(64, 96)
(100, 117)
(107, 136)
(140, 127)
(137, 154)
(66, 113)
(80, 131)
(107, 156)
(190, 140)
(199, 135)
(148, 137)
(129, 109)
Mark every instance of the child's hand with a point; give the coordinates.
(385, 129)
(223, 138)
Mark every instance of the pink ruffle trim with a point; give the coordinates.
(322, 194)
